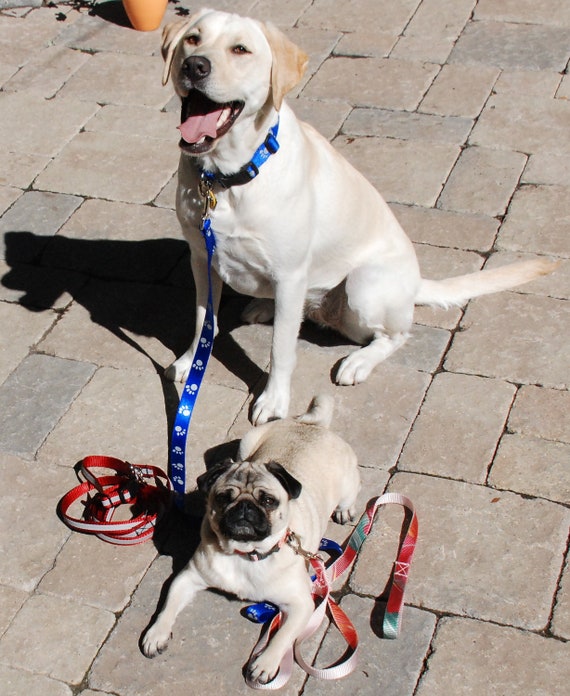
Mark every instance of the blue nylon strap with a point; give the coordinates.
(250, 170)
(268, 148)
(194, 380)
(177, 459)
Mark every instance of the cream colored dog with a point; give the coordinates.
(309, 236)
(290, 477)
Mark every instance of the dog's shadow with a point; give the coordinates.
(130, 288)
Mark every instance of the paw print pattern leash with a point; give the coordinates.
(129, 484)
(177, 459)
(177, 468)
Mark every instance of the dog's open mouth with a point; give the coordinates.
(204, 121)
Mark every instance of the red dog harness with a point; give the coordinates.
(104, 495)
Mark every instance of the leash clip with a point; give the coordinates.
(294, 541)
(135, 473)
(205, 189)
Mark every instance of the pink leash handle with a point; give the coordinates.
(321, 590)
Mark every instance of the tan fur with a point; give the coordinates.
(326, 467)
(289, 64)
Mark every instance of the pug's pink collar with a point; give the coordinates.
(290, 538)
(259, 556)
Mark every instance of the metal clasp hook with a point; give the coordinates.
(294, 541)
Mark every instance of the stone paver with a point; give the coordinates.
(18, 682)
(433, 29)
(388, 84)
(511, 45)
(29, 223)
(47, 72)
(404, 174)
(501, 127)
(42, 387)
(15, 344)
(110, 165)
(501, 340)
(458, 111)
(445, 228)
(541, 413)
(72, 631)
(20, 169)
(534, 467)
(472, 657)
(483, 181)
(456, 433)
(60, 121)
(87, 588)
(30, 538)
(544, 233)
(459, 90)
(8, 194)
(561, 614)
(407, 126)
(122, 79)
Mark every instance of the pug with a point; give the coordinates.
(289, 478)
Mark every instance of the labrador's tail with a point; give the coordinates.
(458, 290)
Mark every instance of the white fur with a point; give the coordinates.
(310, 232)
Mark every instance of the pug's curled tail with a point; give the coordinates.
(320, 411)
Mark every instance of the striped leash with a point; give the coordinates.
(102, 496)
(322, 582)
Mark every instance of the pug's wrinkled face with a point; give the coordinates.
(248, 502)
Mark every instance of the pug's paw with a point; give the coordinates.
(344, 515)
(155, 641)
(264, 667)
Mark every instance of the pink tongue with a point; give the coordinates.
(196, 127)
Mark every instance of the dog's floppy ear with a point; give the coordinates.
(172, 34)
(206, 481)
(289, 483)
(289, 63)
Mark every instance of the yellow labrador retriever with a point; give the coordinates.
(308, 236)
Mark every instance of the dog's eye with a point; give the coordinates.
(240, 50)
(193, 39)
(224, 498)
(268, 501)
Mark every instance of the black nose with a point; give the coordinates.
(245, 522)
(196, 68)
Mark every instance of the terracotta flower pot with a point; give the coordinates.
(145, 15)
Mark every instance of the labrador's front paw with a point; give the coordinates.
(155, 641)
(178, 371)
(354, 369)
(269, 406)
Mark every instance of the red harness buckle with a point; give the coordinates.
(103, 495)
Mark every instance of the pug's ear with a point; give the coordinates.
(206, 481)
(289, 483)
(289, 63)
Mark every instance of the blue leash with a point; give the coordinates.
(177, 459)
(194, 380)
